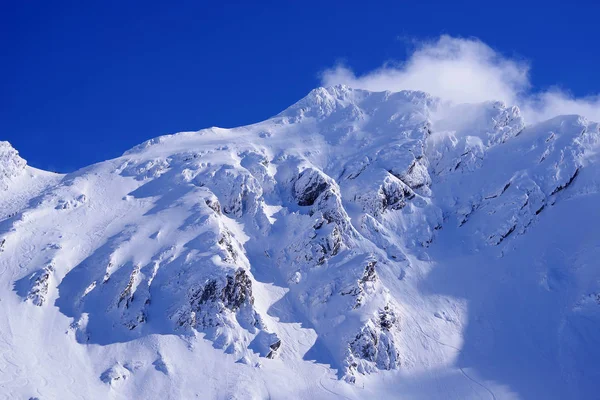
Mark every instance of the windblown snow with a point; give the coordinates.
(357, 245)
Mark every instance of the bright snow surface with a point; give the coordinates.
(357, 245)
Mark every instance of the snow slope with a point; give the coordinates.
(357, 245)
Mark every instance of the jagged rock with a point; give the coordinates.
(364, 286)
(395, 194)
(266, 344)
(274, 347)
(209, 302)
(39, 287)
(213, 204)
(374, 346)
(387, 318)
(127, 293)
(379, 191)
(566, 184)
(309, 185)
(237, 291)
(329, 204)
(328, 244)
(226, 243)
(11, 164)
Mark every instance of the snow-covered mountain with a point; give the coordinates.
(357, 245)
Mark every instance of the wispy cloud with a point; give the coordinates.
(464, 70)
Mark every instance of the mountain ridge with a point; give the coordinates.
(303, 241)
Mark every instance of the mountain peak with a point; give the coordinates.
(323, 101)
(11, 164)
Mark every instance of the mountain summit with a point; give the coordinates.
(357, 245)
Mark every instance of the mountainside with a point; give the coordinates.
(357, 245)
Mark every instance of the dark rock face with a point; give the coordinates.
(214, 205)
(309, 185)
(363, 284)
(274, 347)
(330, 205)
(11, 164)
(383, 192)
(266, 344)
(127, 293)
(374, 347)
(226, 243)
(395, 194)
(216, 297)
(238, 291)
(328, 246)
(370, 275)
(387, 318)
(39, 285)
(204, 295)
(566, 184)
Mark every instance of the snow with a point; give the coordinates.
(356, 245)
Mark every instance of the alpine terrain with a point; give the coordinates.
(357, 245)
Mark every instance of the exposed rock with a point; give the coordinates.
(127, 293)
(364, 285)
(395, 194)
(380, 191)
(566, 184)
(374, 347)
(237, 291)
(309, 185)
(11, 164)
(266, 344)
(213, 204)
(226, 243)
(274, 347)
(39, 287)
(209, 302)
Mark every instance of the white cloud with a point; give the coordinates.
(467, 70)
(545, 105)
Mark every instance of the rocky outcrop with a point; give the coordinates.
(213, 203)
(11, 164)
(40, 281)
(383, 192)
(309, 185)
(374, 346)
(364, 286)
(210, 303)
(266, 344)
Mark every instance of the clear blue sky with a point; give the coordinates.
(83, 81)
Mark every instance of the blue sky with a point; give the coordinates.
(81, 82)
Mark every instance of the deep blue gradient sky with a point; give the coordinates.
(83, 81)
